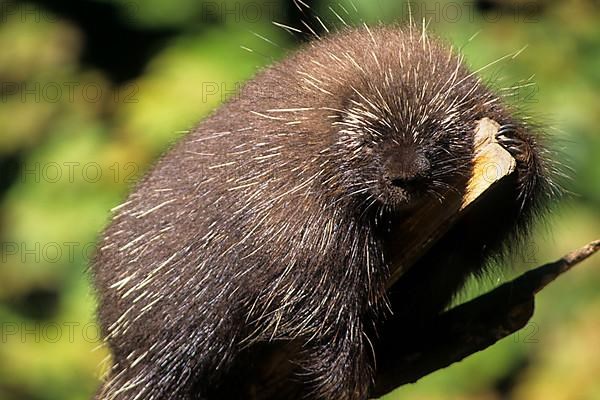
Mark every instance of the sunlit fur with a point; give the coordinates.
(262, 226)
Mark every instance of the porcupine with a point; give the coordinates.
(267, 226)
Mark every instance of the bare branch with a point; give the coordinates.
(470, 327)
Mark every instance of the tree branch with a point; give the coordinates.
(470, 327)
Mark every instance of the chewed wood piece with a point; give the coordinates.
(428, 224)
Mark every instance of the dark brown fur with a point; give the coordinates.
(272, 237)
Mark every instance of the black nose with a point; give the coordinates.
(405, 166)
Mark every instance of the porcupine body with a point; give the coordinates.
(266, 226)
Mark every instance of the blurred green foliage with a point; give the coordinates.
(73, 141)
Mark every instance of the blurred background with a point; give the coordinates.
(91, 92)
